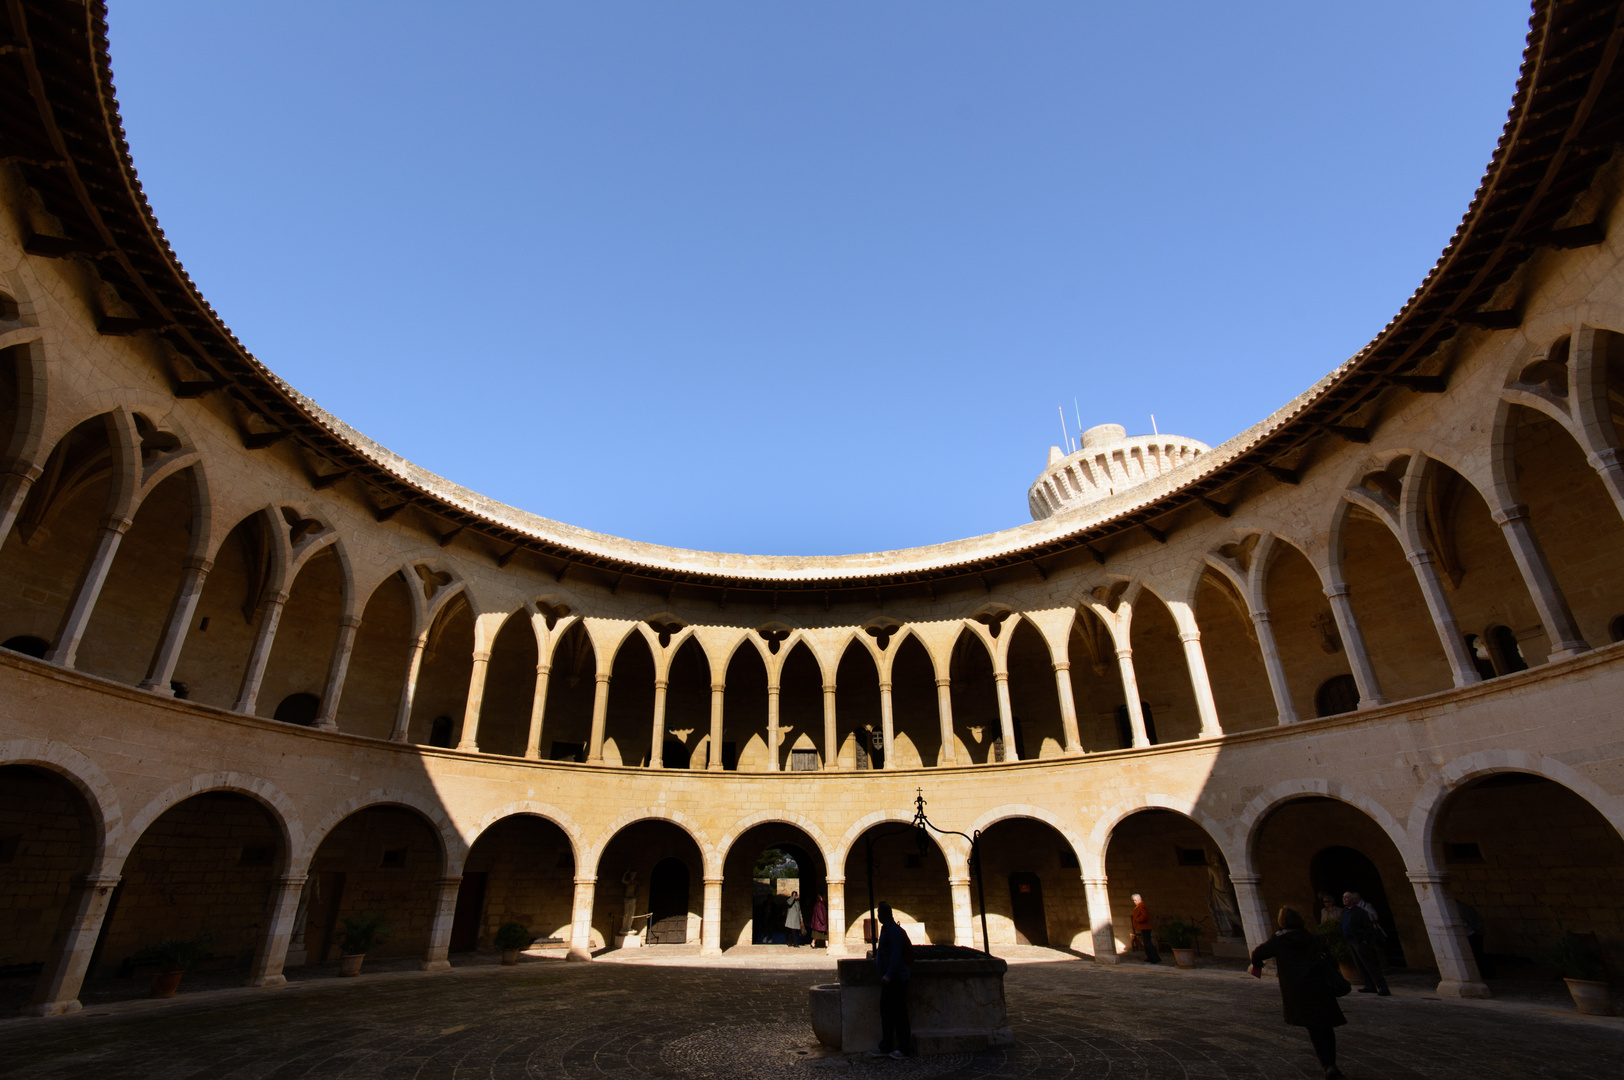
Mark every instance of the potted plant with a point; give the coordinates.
(511, 937)
(1330, 932)
(358, 935)
(174, 957)
(1181, 936)
(1580, 963)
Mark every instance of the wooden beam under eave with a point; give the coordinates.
(446, 538)
(1215, 506)
(1284, 475)
(384, 513)
(1421, 384)
(1589, 234)
(1508, 319)
(506, 557)
(327, 480)
(1349, 433)
(1099, 556)
(1156, 534)
(261, 440)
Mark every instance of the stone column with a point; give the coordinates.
(1609, 464)
(75, 620)
(964, 917)
(1353, 641)
(831, 748)
(538, 712)
(57, 991)
(343, 649)
(1278, 685)
(710, 930)
(656, 742)
(270, 614)
(445, 910)
(403, 712)
(718, 695)
(1446, 932)
(1205, 706)
(581, 919)
(1443, 618)
(162, 669)
(600, 719)
(1068, 708)
(887, 727)
(1552, 605)
(1099, 920)
(1006, 716)
(476, 700)
(14, 488)
(774, 735)
(1130, 691)
(944, 714)
(272, 953)
(837, 915)
(1256, 922)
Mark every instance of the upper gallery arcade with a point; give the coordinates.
(1404, 584)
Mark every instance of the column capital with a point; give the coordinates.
(448, 881)
(831, 882)
(96, 881)
(1508, 514)
(944, 683)
(1245, 879)
(957, 882)
(709, 881)
(1000, 676)
(717, 687)
(544, 669)
(1608, 459)
(1124, 654)
(1426, 877)
(885, 686)
(1097, 882)
(586, 881)
(119, 525)
(1420, 558)
(662, 684)
(349, 622)
(198, 564)
(1188, 636)
(1260, 617)
(603, 677)
(773, 689)
(1336, 590)
(828, 688)
(1061, 666)
(288, 881)
(482, 656)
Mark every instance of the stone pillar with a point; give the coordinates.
(774, 735)
(272, 952)
(1443, 618)
(964, 916)
(1130, 690)
(74, 621)
(538, 711)
(1609, 464)
(57, 991)
(1006, 716)
(718, 695)
(1068, 708)
(343, 648)
(403, 712)
(476, 700)
(270, 614)
(831, 747)
(837, 915)
(1099, 920)
(14, 488)
(1446, 932)
(1552, 605)
(887, 727)
(581, 919)
(944, 714)
(162, 669)
(710, 930)
(445, 910)
(1256, 921)
(600, 719)
(656, 742)
(1353, 641)
(1205, 706)
(1277, 671)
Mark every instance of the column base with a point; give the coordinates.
(435, 965)
(578, 953)
(53, 1008)
(711, 950)
(467, 748)
(1373, 703)
(154, 688)
(1109, 958)
(268, 980)
(836, 950)
(1567, 650)
(1458, 988)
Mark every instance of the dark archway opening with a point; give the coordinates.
(1336, 870)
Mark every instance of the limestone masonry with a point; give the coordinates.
(259, 674)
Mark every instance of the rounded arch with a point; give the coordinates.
(101, 798)
(588, 864)
(452, 849)
(528, 808)
(1010, 811)
(952, 846)
(269, 796)
(765, 817)
(1092, 856)
(1249, 823)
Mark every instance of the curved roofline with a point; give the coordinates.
(1563, 124)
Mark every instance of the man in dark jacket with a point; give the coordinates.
(891, 954)
(1364, 938)
(1306, 985)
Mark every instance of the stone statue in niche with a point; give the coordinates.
(1226, 909)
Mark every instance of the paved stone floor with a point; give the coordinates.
(648, 1017)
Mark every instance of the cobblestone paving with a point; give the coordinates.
(608, 1021)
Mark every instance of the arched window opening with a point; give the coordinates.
(37, 647)
(1478, 649)
(1125, 725)
(300, 708)
(674, 755)
(668, 903)
(1508, 653)
(1615, 629)
(9, 311)
(1337, 695)
(440, 732)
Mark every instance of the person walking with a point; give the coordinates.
(819, 923)
(1142, 927)
(1309, 985)
(792, 921)
(1363, 933)
(892, 955)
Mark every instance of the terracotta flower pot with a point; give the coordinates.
(1352, 973)
(350, 964)
(1184, 958)
(166, 983)
(1592, 998)
(510, 957)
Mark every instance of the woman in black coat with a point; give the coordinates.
(1307, 974)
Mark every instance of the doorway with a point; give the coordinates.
(470, 908)
(1336, 870)
(1026, 907)
(668, 903)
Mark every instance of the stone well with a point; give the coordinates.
(955, 1003)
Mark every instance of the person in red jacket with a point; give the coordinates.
(1142, 927)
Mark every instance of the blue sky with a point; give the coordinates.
(794, 278)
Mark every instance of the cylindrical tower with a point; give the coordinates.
(1109, 461)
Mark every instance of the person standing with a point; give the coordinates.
(1330, 910)
(792, 920)
(819, 923)
(1146, 932)
(892, 955)
(1309, 982)
(1364, 937)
